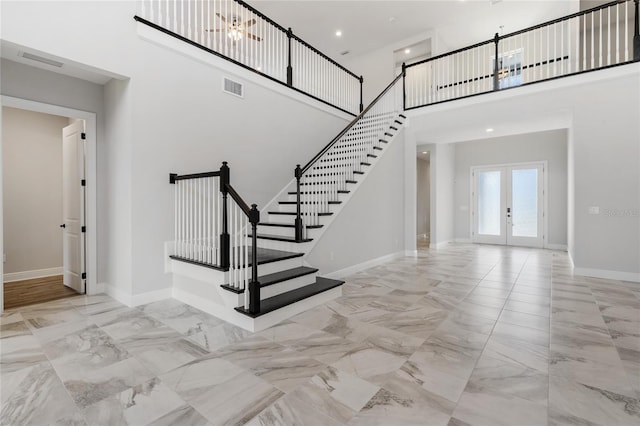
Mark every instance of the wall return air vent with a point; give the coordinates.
(233, 87)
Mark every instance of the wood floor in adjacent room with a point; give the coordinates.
(37, 290)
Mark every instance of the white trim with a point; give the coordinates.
(441, 244)
(29, 275)
(562, 247)
(463, 240)
(151, 296)
(90, 176)
(606, 274)
(220, 311)
(157, 37)
(364, 265)
(573, 264)
(411, 253)
(132, 300)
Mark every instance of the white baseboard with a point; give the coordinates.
(439, 245)
(132, 300)
(336, 275)
(463, 240)
(562, 247)
(411, 253)
(606, 274)
(98, 289)
(29, 275)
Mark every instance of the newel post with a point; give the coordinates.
(289, 67)
(361, 93)
(298, 221)
(254, 284)
(636, 32)
(404, 86)
(225, 242)
(496, 64)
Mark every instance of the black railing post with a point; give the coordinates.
(254, 285)
(496, 65)
(404, 85)
(361, 93)
(225, 242)
(172, 178)
(636, 33)
(298, 221)
(289, 67)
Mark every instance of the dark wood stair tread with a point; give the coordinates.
(318, 192)
(289, 203)
(294, 213)
(281, 300)
(277, 277)
(288, 225)
(283, 238)
(264, 256)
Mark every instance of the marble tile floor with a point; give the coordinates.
(464, 335)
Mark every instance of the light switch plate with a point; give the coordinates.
(594, 210)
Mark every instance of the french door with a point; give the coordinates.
(508, 204)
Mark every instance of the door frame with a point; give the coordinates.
(545, 196)
(91, 129)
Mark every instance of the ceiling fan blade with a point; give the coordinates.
(256, 38)
(221, 17)
(250, 22)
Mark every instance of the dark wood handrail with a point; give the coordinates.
(239, 201)
(175, 177)
(324, 150)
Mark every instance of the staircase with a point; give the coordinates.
(278, 242)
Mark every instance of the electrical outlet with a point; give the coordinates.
(594, 210)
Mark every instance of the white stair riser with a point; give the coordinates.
(341, 197)
(284, 245)
(291, 208)
(286, 232)
(281, 265)
(288, 285)
(290, 219)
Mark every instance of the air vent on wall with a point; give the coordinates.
(37, 58)
(233, 87)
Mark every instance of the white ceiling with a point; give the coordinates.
(367, 25)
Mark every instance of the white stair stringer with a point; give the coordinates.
(316, 233)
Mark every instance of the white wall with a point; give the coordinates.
(171, 116)
(550, 146)
(442, 188)
(423, 224)
(371, 224)
(601, 109)
(32, 190)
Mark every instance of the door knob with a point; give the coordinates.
(63, 225)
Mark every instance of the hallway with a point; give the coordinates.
(467, 334)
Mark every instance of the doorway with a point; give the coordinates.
(423, 199)
(78, 271)
(508, 204)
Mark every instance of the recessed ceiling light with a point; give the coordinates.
(392, 18)
(407, 51)
(424, 152)
(338, 33)
(489, 130)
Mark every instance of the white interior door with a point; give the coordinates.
(508, 205)
(73, 206)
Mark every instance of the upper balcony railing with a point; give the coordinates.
(597, 38)
(236, 31)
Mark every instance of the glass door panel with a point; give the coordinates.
(489, 206)
(525, 203)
